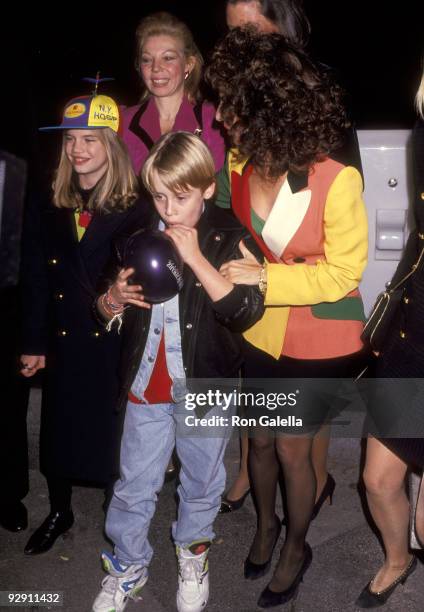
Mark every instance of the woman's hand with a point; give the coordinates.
(31, 364)
(122, 293)
(186, 242)
(244, 271)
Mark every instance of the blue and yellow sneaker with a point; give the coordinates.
(123, 583)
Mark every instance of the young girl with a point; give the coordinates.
(67, 242)
(189, 336)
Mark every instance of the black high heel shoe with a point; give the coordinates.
(231, 505)
(371, 599)
(327, 492)
(252, 571)
(269, 599)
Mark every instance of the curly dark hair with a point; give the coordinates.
(285, 111)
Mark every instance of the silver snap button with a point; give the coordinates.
(189, 326)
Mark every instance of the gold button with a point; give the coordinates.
(421, 236)
(96, 334)
(422, 195)
(53, 262)
(63, 332)
(406, 300)
(402, 335)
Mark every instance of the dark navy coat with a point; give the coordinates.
(61, 277)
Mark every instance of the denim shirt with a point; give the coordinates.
(165, 320)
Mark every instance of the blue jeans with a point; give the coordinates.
(150, 433)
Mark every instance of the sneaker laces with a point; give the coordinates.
(192, 569)
(111, 584)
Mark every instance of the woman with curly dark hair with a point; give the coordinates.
(285, 117)
(287, 17)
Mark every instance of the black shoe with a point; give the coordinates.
(14, 517)
(45, 536)
(252, 571)
(231, 505)
(269, 599)
(371, 599)
(327, 492)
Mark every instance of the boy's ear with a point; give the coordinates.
(209, 191)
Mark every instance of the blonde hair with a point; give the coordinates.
(182, 161)
(166, 24)
(116, 190)
(419, 98)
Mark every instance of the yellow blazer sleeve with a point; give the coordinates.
(345, 247)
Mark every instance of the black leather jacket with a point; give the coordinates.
(210, 331)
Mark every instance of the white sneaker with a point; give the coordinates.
(193, 577)
(123, 583)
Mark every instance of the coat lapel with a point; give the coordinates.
(285, 218)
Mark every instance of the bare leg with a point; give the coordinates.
(419, 515)
(241, 483)
(294, 453)
(384, 477)
(320, 446)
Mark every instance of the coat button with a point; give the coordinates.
(96, 334)
(422, 195)
(53, 261)
(421, 236)
(59, 296)
(402, 335)
(299, 260)
(217, 237)
(157, 331)
(198, 284)
(406, 299)
(62, 333)
(189, 326)
(150, 359)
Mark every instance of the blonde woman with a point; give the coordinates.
(67, 243)
(170, 68)
(388, 458)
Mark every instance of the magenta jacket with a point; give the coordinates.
(141, 129)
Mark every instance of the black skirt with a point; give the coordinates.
(310, 386)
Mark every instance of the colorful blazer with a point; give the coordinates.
(315, 242)
(141, 129)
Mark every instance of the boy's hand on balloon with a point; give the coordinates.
(186, 242)
(123, 293)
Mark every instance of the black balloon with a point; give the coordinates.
(157, 264)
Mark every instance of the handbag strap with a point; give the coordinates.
(410, 273)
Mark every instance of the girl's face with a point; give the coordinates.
(179, 207)
(244, 13)
(163, 65)
(87, 155)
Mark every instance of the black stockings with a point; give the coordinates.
(293, 453)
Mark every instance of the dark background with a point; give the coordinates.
(375, 47)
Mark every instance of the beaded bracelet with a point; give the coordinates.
(114, 306)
